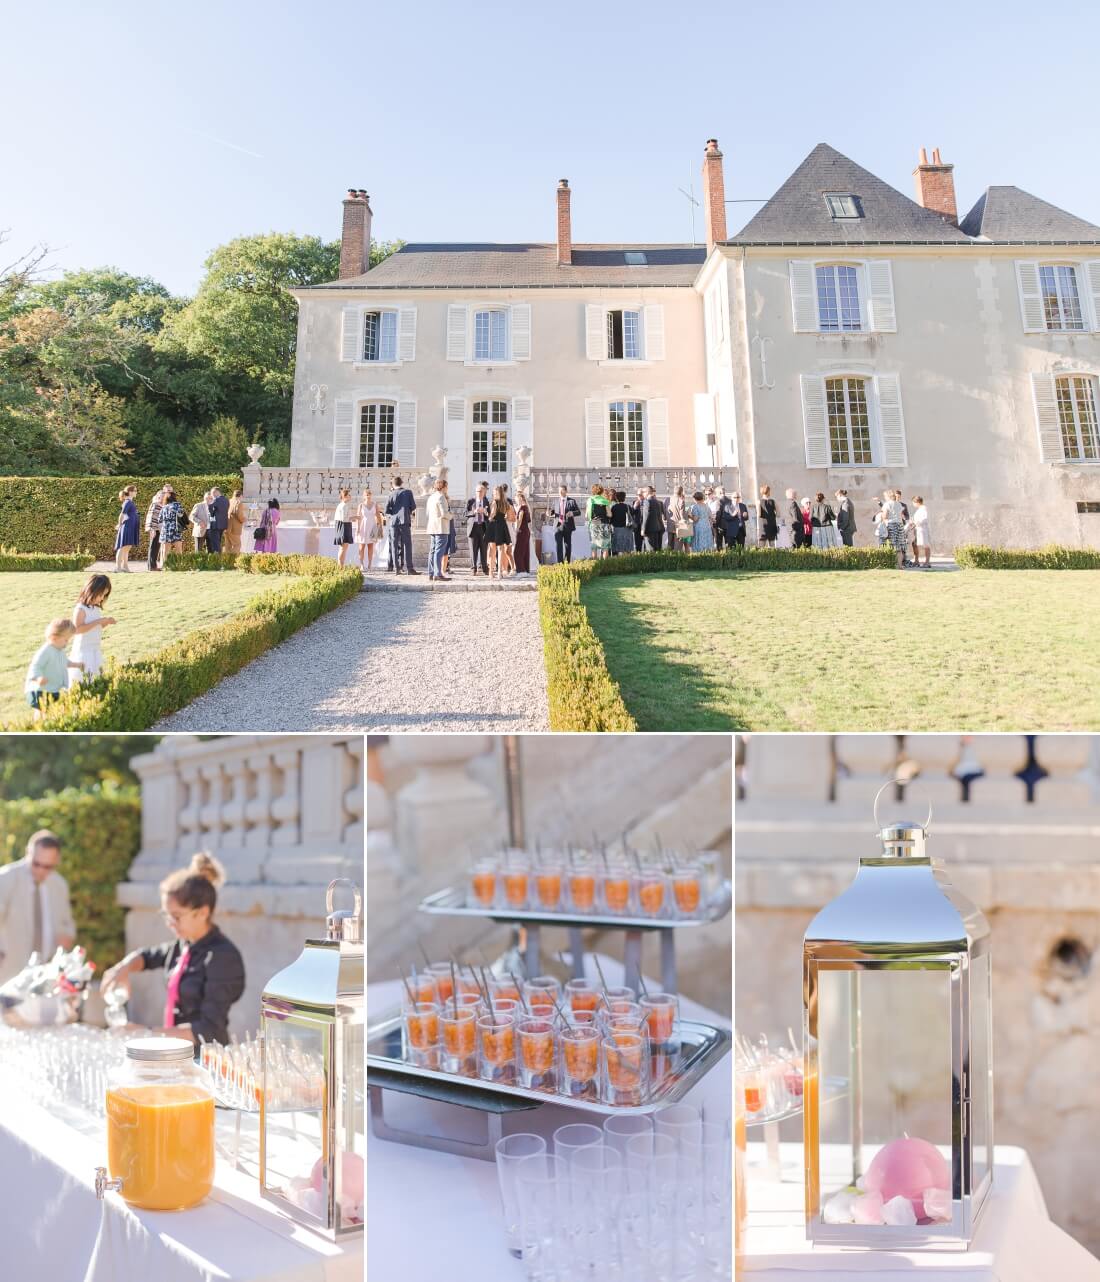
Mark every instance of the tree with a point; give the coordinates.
(36, 765)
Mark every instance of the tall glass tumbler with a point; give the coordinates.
(542, 1183)
(511, 1151)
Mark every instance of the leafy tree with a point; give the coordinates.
(35, 765)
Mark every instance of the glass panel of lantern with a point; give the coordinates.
(898, 1071)
(312, 1106)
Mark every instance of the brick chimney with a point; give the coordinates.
(565, 224)
(355, 236)
(936, 186)
(714, 194)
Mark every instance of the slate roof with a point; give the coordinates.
(797, 214)
(1011, 214)
(527, 266)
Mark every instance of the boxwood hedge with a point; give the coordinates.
(1053, 556)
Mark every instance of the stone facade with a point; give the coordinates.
(803, 816)
(283, 814)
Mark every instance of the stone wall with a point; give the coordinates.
(283, 814)
(1022, 839)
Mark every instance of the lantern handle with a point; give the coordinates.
(926, 827)
(357, 908)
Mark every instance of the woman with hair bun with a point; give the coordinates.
(205, 971)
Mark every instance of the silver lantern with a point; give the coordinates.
(312, 1134)
(898, 1094)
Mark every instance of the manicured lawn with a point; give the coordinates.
(152, 611)
(871, 651)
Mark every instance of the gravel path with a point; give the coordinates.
(393, 662)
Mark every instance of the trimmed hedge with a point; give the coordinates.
(80, 513)
(134, 696)
(317, 567)
(581, 691)
(100, 831)
(15, 562)
(972, 556)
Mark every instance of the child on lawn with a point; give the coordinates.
(88, 624)
(49, 671)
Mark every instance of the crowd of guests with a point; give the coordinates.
(214, 524)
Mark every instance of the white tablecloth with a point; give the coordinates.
(580, 548)
(304, 537)
(463, 1191)
(52, 1229)
(1016, 1241)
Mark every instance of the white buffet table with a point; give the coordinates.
(303, 537)
(466, 1221)
(54, 1229)
(580, 548)
(1016, 1240)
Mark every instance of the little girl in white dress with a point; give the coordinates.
(89, 621)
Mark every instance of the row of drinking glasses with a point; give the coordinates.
(771, 1080)
(67, 1065)
(645, 1198)
(605, 888)
(296, 1077)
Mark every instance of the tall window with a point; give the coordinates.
(491, 335)
(849, 423)
(490, 443)
(838, 298)
(376, 430)
(627, 436)
(380, 336)
(624, 336)
(1061, 299)
(1077, 416)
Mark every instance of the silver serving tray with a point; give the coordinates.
(702, 1046)
(452, 903)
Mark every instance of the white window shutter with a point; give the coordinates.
(404, 446)
(351, 334)
(523, 422)
(1031, 298)
(803, 295)
(343, 432)
(406, 334)
(654, 333)
(454, 409)
(1092, 288)
(595, 332)
(595, 433)
(657, 432)
(1051, 447)
(880, 288)
(814, 422)
(890, 422)
(456, 331)
(521, 331)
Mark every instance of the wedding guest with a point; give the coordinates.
(636, 506)
(36, 915)
(219, 520)
(234, 522)
(172, 520)
(127, 533)
(795, 516)
(523, 534)
(742, 512)
(266, 534)
(670, 525)
(439, 530)
(716, 500)
(88, 624)
(477, 527)
(845, 518)
(400, 507)
(823, 523)
(622, 525)
(678, 516)
(922, 534)
(505, 552)
(565, 511)
(152, 528)
(48, 673)
(653, 519)
(597, 513)
(200, 521)
(892, 511)
(343, 532)
(768, 517)
(880, 524)
(699, 514)
(807, 523)
(368, 522)
(498, 535)
(205, 971)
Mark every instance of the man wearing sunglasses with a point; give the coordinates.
(35, 914)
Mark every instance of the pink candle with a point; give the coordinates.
(910, 1168)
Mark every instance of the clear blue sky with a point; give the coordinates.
(144, 134)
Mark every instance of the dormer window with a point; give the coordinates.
(635, 258)
(843, 205)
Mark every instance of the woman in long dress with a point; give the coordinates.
(699, 515)
(368, 523)
(127, 532)
(922, 533)
(238, 514)
(597, 513)
(769, 517)
(269, 528)
(523, 534)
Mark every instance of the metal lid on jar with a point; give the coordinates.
(160, 1050)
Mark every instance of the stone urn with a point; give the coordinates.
(255, 453)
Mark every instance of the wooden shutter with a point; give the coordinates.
(1092, 288)
(351, 334)
(456, 331)
(654, 332)
(404, 446)
(595, 332)
(595, 433)
(406, 333)
(523, 422)
(521, 331)
(343, 432)
(657, 432)
(1045, 391)
(890, 423)
(803, 296)
(1031, 298)
(880, 290)
(814, 422)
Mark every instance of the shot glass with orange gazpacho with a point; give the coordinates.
(535, 1047)
(516, 879)
(496, 1048)
(548, 887)
(422, 1034)
(651, 893)
(661, 1013)
(582, 889)
(624, 1077)
(615, 891)
(687, 883)
(580, 1061)
(582, 994)
(459, 1053)
(483, 885)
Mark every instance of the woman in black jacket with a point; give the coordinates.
(769, 517)
(205, 970)
(823, 520)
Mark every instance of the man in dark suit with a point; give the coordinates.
(653, 519)
(794, 515)
(636, 512)
(401, 506)
(845, 518)
(477, 528)
(219, 520)
(741, 512)
(565, 512)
